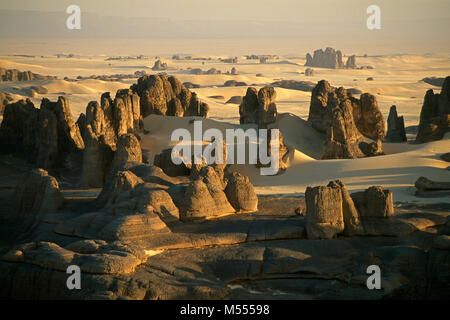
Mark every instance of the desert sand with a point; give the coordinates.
(396, 82)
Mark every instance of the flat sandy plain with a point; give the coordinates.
(396, 81)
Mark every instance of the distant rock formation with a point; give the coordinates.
(16, 75)
(234, 71)
(234, 100)
(434, 81)
(351, 62)
(330, 58)
(159, 66)
(435, 114)
(309, 72)
(307, 86)
(48, 136)
(164, 95)
(345, 119)
(396, 127)
(234, 83)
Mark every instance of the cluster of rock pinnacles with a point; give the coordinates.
(138, 198)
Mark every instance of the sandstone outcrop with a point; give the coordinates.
(108, 131)
(368, 117)
(324, 214)
(47, 136)
(240, 193)
(330, 58)
(307, 86)
(5, 98)
(435, 114)
(429, 188)
(16, 75)
(309, 72)
(396, 127)
(37, 193)
(258, 107)
(159, 66)
(331, 211)
(164, 95)
(351, 217)
(375, 202)
(345, 119)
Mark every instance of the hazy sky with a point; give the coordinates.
(291, 10)
(419, 26)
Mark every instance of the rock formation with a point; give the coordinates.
(5, 98)
(37, 193)
(159, 66)
(351, 62)
(375, 202)
(47, 136)
(330, 58)
(324, 214)
(435, 114)
(164, 95)
(16, 75)
(331, 210)
(259, 107)
(368, 117)
(108, 131)
(429, 188)
(307, 86)
(240, 193)
(396, 127)
(345, 119)
(309, 72)
(234, 100)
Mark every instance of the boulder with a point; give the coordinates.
(374, 202)
(324, 212)
(429, 188)
(128, 150)
(352, 220)
(241, 194)
(435, 114)
(164, 161)
(197, 202)
(37, 193)
(396, 127)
